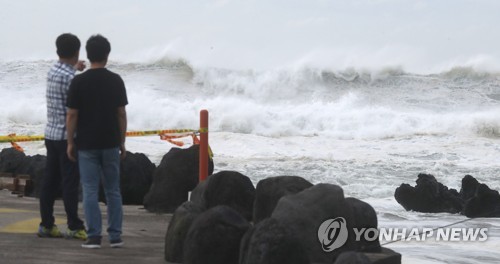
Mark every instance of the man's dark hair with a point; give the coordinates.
(67, 45)
(98, 48)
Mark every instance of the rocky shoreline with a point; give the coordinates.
(280, 220)
(474, 199)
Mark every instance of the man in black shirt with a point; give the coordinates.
(96, 113)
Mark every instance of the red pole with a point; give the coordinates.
(203, 145)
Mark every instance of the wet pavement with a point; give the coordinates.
(143, 234)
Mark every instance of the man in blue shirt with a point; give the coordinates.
(60, 171)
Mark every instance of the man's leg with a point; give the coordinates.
(70, 183)
(50, 185)
(111, 182)
(90, 173)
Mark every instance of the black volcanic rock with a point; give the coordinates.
(428, 196)
(214, 237)
(176, 175)
(136, 176)
(271, 242)
(177, 230)
(304, 212)
(233, 189)
(469, 187)
(270, 190)
(474, 200)
(485, 203)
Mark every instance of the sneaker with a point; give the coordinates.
(78, 234)
(116, 243)
(49, 232)
(92, 242)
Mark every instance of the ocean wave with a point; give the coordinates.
(348, 74)
(362, 75)
(164, 62)
(488, 129)
(299, 84)
(350, 104)
(468, 73)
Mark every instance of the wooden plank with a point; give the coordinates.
(7, 183)
(7, 174)
(21, 184)
(23, 176)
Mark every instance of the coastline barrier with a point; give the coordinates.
(166, 134)
(204, 150)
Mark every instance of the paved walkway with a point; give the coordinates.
(143, 234)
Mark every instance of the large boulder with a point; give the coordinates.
(352, 257)
(10, 159)
(16, 162)
(385, 256)
(364, 217)
(214, 237)
(177, 230)
(176, 175)
(469, 187)
(428, 196)
(271, 242)
(198, 193)
(35, 167)
(485, 203)
(317, 212)
(270, 190)
(230, 188)
(474, 200)
(136, 177)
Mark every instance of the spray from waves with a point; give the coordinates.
(487, 127)
(343, 121)
(166, 63)
(346, 118)
(349, 104)
(456, 90)
(292, 83)
(469, 73)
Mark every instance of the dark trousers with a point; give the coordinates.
(60, 174)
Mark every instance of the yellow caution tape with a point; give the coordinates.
(15, 138)
(166, 134)
(158, 132)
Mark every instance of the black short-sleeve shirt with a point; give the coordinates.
(97, 94)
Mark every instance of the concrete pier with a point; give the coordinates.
(143, 234)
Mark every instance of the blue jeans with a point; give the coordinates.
(94, 165)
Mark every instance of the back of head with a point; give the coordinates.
(68, 45)
(98, 48)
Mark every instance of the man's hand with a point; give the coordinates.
(123, 151)
(71, 121)
(80, 65)
(70, 151)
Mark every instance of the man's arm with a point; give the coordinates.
(122, 123)
(71, 121)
